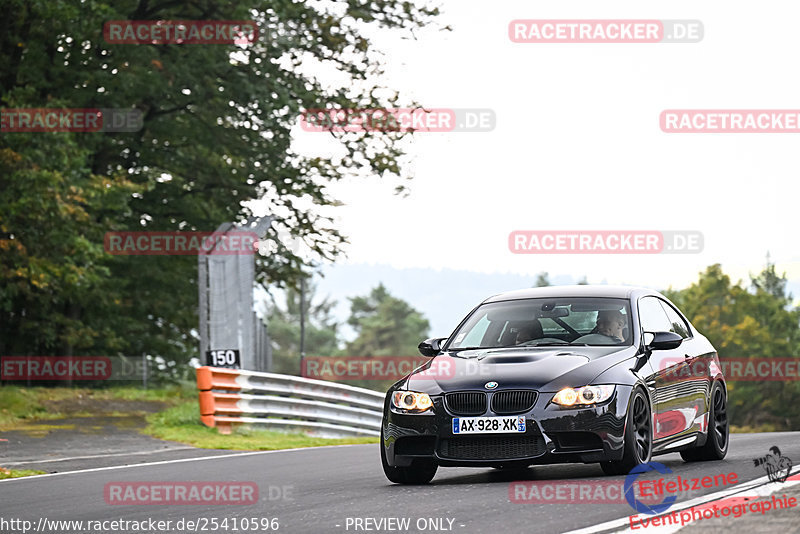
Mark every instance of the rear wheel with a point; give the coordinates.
(419, 472)
(638, 447)
(716, 446)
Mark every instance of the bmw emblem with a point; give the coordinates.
(490, 385)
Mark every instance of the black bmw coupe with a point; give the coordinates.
(605, 374)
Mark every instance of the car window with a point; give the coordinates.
(582, 321)
(475, 335)
(652, 316)
(542, 321)
(679, 326)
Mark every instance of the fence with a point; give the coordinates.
(225, 287)
(288, 403)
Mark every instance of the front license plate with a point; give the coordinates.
(488, 425)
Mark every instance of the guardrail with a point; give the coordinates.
(285, 402)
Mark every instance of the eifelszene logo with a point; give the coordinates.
(638, 505)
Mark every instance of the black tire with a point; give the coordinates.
(419, 472)
(638, 447)
(716, 446)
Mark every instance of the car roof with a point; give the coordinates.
(608, 291)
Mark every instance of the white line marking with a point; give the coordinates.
(7, 464)
(739, 488)
(201, 458)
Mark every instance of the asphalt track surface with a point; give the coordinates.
(326, 489)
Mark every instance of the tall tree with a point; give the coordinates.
(769, 282)
(385, 325)
(542, 279)
(216, 134)
(754, 323)
(283, 326)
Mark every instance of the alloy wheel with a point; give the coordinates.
(720, 419)
(641, 428)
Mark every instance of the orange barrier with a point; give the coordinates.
(211, 403)
(216, 378)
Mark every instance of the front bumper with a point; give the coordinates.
(553, 435)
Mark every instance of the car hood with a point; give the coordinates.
(543, 369)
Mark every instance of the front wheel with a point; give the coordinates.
(638, 447)
(716, 446)
(419, 472)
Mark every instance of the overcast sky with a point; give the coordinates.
(578, 146)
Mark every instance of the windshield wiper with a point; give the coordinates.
(551, 344)
(484, 348)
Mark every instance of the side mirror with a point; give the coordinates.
(431, 347)
(663, 340)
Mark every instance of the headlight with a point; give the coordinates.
(411, 401)
(584, 395)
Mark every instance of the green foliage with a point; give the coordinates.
(25, 404)
(283, 325)
(755, 323)
(19, 403)
(542, 280)
(385, 325)
(217, 133)
(18, 473)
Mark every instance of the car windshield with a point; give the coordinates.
(545, 322)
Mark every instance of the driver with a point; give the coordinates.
(611, 323)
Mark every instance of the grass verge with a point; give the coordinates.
(14, 473)
(25, 404)
(178, 421)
